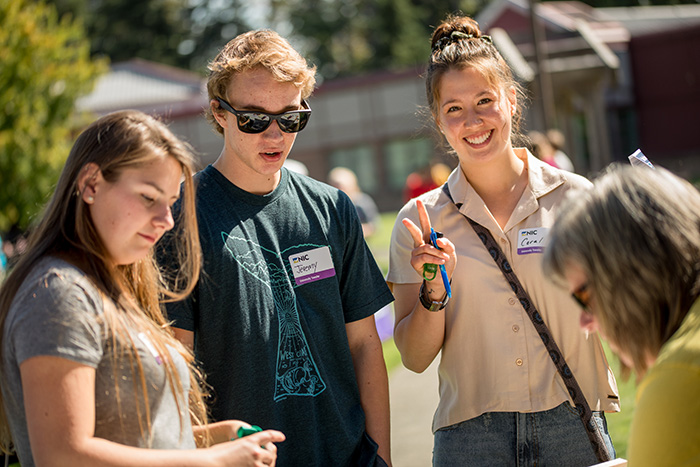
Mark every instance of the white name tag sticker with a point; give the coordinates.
(312, 265)
(532, 240)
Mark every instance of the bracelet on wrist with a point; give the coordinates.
(432, 305)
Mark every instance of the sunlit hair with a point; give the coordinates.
(457, 43)
(636, 236)
(258, 49)
(132, 293)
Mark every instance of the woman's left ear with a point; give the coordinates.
(88, 181)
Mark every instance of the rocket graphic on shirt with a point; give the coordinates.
(296, 371)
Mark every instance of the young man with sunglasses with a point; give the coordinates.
(282, 318)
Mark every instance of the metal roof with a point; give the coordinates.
(148, 86)
(643, 20)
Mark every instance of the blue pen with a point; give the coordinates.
(443, 272)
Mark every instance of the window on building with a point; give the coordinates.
(406, 156)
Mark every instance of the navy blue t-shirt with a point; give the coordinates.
(283, 273)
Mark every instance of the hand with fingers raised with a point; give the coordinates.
(431, 251)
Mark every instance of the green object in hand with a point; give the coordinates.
(429, 271)
(245, 431)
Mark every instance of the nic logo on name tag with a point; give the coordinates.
(312, 265)
(532, 240)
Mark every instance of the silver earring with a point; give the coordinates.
(90, 199)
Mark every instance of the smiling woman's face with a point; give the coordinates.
(132, 213)
(474, 116)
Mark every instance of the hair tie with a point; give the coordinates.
(460, 35)
(457, 36)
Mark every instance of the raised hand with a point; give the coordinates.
(424, 252)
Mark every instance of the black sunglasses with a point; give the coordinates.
(582, 296)
(256, 122)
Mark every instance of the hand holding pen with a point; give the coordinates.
(431, 252)
(445, 279)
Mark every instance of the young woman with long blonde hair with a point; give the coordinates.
(91, 373)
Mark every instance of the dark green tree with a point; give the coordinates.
(346, 37)
(122, 30)
(213, 24)
(183, 33)
(45, 66)
(437, 10)
(398, 35)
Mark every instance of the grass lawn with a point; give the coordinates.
(618, 423)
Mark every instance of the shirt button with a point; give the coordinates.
(516, 328)
(511, 301)
(503, 240)
(519, 362)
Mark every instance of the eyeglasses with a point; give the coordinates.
(249, 121)
(582, 296)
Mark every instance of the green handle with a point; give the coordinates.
(429, 271)
(245, 431)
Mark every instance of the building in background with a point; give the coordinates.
(177, 96)
(620, 79)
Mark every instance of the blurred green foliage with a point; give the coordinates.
(340, 37)
(44, 67)
(348, 37)
(181, 33)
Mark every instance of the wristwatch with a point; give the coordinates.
(432, 305)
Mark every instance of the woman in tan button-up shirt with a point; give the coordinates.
(502, 401)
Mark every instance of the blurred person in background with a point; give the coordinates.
(628, 251)
(541, 148)
(3, 261)
(439, 173)
(502, 400)
(345, 180)
(426, 179)
(558, 141)
(296, 166)
(544, 150)
(418, 182)
(14, 244)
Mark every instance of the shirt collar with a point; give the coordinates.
(542, 179)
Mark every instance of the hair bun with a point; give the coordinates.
(453, 29)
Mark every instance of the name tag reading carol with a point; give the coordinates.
(532, 240)
(312, 265)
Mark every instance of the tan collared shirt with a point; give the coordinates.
(492, 359)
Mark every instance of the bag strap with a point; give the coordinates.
(555, 354)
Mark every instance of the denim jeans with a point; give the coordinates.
(553, 437)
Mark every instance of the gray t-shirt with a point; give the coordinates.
(58, 312)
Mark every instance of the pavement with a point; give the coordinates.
(413, 399)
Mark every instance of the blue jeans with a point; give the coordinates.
(552, 437)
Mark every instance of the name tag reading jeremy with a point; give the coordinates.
(312, 265)
(532, 240)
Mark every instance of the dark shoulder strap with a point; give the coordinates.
(555, 354)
